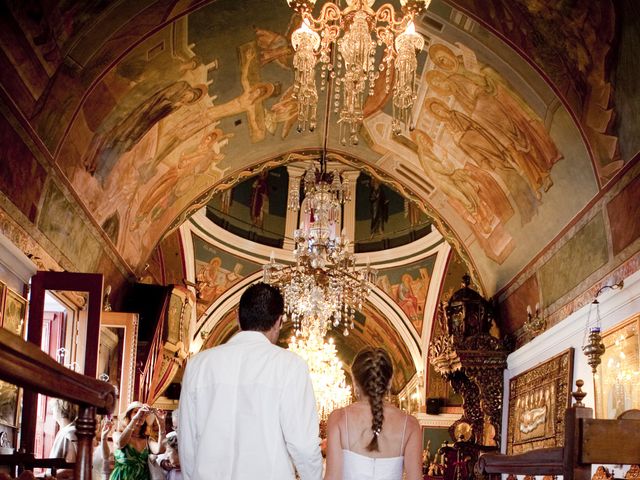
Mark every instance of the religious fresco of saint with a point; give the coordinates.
(143, 145)
(408, 285)
(255, 209)
(574, 43)
(216, 271)
(152, 135)
(385, 219)
(482, 147)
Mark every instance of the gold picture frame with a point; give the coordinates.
(617, 384)
(10, 401)
(538, 399)
(14, 313)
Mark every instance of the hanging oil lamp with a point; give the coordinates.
(594, 348)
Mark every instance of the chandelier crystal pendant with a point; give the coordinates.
(324, 288)
(327, 375)
(356, 32)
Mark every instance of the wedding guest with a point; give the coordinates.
(247, 408)
(65, 443)
(371, 439)
(170, 460)
(133, 443)
(103, 459)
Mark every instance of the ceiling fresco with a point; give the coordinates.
(384, 218)
(575, 44)
(190, 104)
(216, 272)
(255, 209)
(408, 286)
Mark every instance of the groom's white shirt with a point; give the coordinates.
(248, 412)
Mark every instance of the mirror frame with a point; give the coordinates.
(129, 322)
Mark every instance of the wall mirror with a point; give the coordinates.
(117, 357)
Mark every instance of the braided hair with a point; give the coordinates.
(372, 371)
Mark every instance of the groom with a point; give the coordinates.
(247, 408)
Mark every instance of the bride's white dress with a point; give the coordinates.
(360, 467)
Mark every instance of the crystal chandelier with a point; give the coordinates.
(327, 374)
(356, 31)
(323, 288)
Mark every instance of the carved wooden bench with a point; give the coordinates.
(587, 441)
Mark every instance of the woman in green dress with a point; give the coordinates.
(133, 443)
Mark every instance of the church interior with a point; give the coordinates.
(156, 159)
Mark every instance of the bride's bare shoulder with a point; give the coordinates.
(390, 409)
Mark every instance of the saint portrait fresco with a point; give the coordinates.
(216, 271)
(408, 286)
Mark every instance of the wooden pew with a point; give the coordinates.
(587, 441)
(25, 365)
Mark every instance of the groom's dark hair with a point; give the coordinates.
(260, 307)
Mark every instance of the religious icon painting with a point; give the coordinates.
(14, 313)
(538, 399)
(9, 404)
(617, 385)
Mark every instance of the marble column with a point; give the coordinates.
(349, 217)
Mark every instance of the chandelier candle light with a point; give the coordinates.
(324, 287)
(355, 31)
(327, 375)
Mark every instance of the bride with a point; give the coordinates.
(371, 439)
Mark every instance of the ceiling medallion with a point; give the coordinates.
(323, 288)
(353, 65)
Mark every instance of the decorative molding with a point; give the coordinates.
(443, 420)
(14, 260)
(241, 247)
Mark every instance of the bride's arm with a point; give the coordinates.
(334, 446)
(413, 450)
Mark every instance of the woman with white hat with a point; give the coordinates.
(133, 443)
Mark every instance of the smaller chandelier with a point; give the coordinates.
(355, 31)
(323, 289)
(327, 375)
